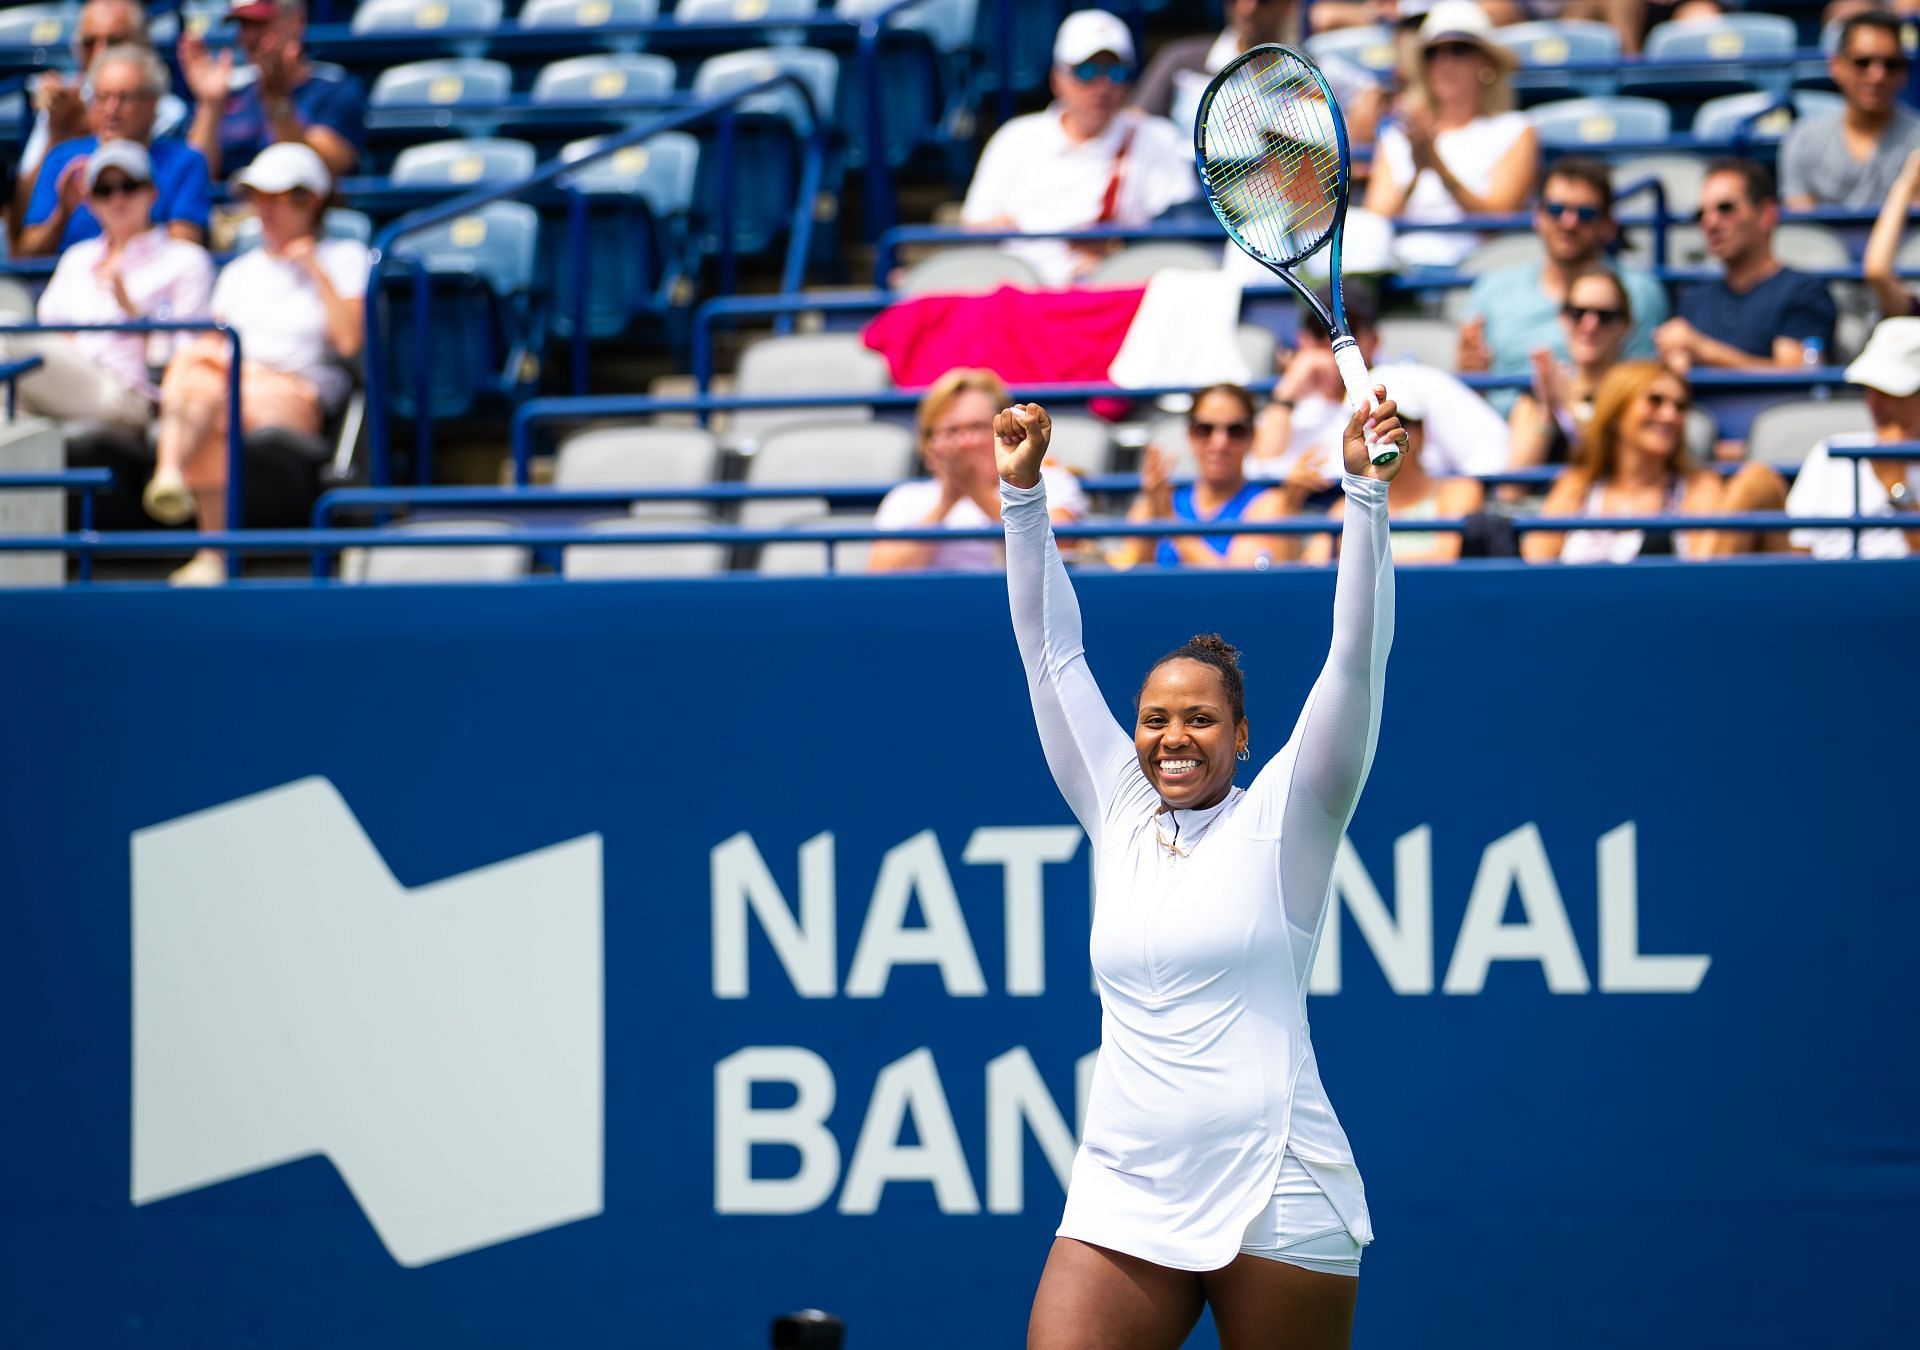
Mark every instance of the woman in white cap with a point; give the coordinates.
(131, 270)
(298, 303)
(1460, 149)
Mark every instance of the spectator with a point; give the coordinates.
(1759, 314)
(1883, 245)
(131, 270)
(60, 105)
(281, 96)
(126, 84)
(1178, 74)
(1888, 369)
(1219, 432)
(1514, 313)
(955, 424)
(1549, 425)
(1414, 493)
(1460, 149)
(1086, 160)
(1298, 438)
(1851, 157)
(1628, 18)
(298, 303)
(1635, 463)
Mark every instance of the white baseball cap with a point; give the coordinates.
(1403, 388)
(1085, 33)
(130, 157)
(1463, 21)
(1890, 362)
(284, 166)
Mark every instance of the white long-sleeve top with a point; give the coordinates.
(1206, 1074)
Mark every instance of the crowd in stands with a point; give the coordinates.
(117, 183)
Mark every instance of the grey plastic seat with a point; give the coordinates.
(819, 71)
(44, 29)
(660, 171)
(1169, 436)
(1431, 342)
(641, 456)
(482, 562)
(1783, 434)
(474, 159)
(968, 269)
(495, 242)
(443, 87)
(1082, 444)
(1588, 122)
(1137, 263)
(424, 16)
(1552, 43)
(1680, 178)
(1760, 116)
(1722, 44)
(691, 559)
(743, 11)
(1369, 47)
(587, 14)
(808, 558)
(824, 453)
(612, 77)
(1258, 347)
(806, 363)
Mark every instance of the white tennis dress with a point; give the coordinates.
(1206, 1077)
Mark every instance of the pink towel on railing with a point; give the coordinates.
(1025, 337)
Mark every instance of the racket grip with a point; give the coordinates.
(1353, 373)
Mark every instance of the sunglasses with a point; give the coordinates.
(1578, 314)
(1719, 208)
(1452, 49)
(1658, 402)
(109, 188)
(1893, 65)
(1232, 430)
(1117, 71)
(1586, 215)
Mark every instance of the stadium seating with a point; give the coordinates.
(1594, 123)
(587, 15)
(1082, 444)
(1721, 46)
(641, 456)
(1546, 46)
(36, 36)
(641, 253)
(1759, 116)
(1782, 435)
(603, 561)
(417, 16)
(439, 95)
(767, 136)
(1371, 48)
(1135, 264)
(967, 270)
(823, 453)
(484, 562)
(808, 363)
(627, 78)
(462, 163)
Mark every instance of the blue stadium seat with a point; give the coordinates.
(1370, 48)
(1759, 116)
(36, 36)
(481, 311)
(425, 16)
(768, 138)
(432, 93)
(744, 11)
(1592, 123)
(585, 15)
(619, 77)
(1542, 47)
(1028, 49)
(640, 250)
(1720, 46)
(949, 23)
(913, 81)
(463, 163)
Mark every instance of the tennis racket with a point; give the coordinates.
(1271, 147)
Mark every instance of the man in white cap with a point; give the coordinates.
(1088, 160)
(1889, 371)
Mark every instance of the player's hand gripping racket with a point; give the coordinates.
(1272, 150)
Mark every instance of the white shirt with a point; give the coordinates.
(1471, 152)
(1822, 489)
(1206, 1075)
(1033, 174)
(166, 278)
(279, 313)
(1464, 435)
(911, 503)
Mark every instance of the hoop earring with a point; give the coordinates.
(1243, 754)
(1487, 77)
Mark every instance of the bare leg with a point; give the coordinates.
(1260, 1304)
(1091, 1298)
(1757, 487)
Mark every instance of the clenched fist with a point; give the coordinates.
(1020, 436)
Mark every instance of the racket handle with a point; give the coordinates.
(1353, 373)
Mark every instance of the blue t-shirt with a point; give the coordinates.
(1786, 305)
(1183, 509)
(329, 98)
(179, 178)
(1521, 318)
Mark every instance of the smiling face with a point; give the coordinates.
(1870, 69)
(1574, 221)
(1595, 319)
(960, 439)
(1456, 74)
(1655, 423)
(1185, 734)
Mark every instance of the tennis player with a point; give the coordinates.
(1212, 1170)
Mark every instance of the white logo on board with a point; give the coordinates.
(442, 1045)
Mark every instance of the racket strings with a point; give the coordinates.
(1271, 154)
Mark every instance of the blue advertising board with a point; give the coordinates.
(598, 964)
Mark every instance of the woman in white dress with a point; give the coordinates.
(1212, 1170)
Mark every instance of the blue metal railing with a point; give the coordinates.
(86, 482)
(793, 277)
(11, 371)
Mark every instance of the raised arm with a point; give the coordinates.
(1091, 756)
(1306, 793)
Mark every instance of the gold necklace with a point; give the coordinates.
(1172, 846)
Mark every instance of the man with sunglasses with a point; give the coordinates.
(1086, 161)
(279, 95)
(1514, 312)
(1851, 157)
(1757, 315)
(124, 89)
